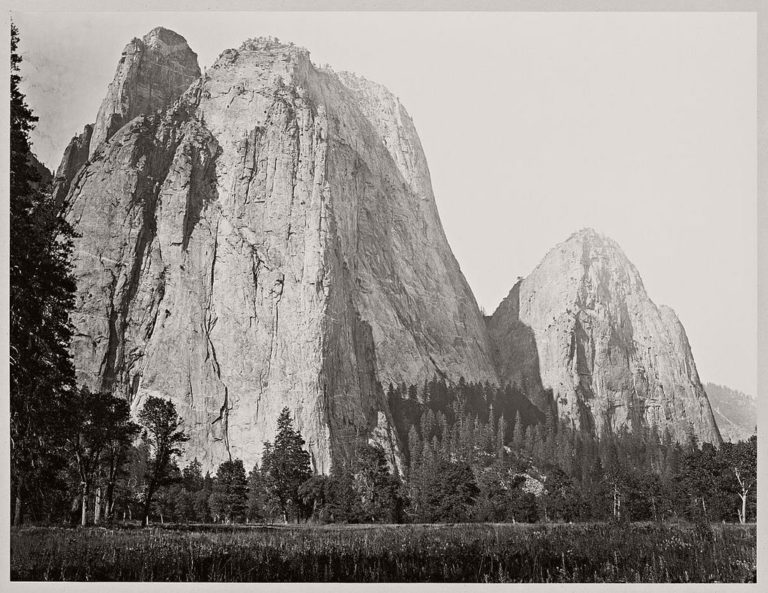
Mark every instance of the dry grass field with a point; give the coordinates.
(389, 553)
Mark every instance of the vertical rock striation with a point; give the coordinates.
(259, 237)
(583, 326)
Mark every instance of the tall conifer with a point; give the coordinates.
(42, 377)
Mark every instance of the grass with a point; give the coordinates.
(396, 553)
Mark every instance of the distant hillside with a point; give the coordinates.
(735, 412)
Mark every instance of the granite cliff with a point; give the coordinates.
(582, 325)
(264, 235)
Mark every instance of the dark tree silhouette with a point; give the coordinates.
(165, 437)
(286, 467)
(42, 290)
(121, 434)
(101, 434)
(257, 495)
(450, 491)
(230, 492)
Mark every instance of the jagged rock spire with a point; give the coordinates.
(152, 73)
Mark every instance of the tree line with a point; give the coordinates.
(460, 467)
(540, 467)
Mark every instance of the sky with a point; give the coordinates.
(535, 125)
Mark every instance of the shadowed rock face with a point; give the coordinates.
(612, 358)
(269, 239)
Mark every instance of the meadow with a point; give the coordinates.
(541, 553)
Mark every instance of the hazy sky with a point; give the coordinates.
(640, 125)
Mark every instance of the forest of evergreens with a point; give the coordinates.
(461, 466)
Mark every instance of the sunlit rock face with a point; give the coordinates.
(582, 325)
(261, 236)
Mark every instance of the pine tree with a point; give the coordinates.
(501, 439)
(200, 499)
(42, 377)
(528, 440)
(230, 492)
(489, 435)
(548, 436)
(286, 467)
(518, 432)
(428, 424)
(445, 436)
(414, 449)
(165, 437)
(377, 490)
(257, 495)
(192, 476)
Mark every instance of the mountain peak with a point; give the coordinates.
(267, 43)
(582, 325)
(587, 233)
(589, 261)
(152, 73)
(161, 35)
(592, 238)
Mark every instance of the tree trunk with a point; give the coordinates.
(743, 515)
(17, 507)
(147, 504)
(84, 507)
(97, 507)
(110, 502)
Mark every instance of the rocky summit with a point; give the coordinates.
(261, 236)
(582, 328)
(265, 235)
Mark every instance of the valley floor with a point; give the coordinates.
(598, 552)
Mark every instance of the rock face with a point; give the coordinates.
(259, 237)
(583, 326)
(152, 73)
